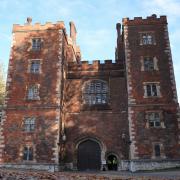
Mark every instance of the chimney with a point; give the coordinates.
(29, 20)
(118, 27)
(73, 32)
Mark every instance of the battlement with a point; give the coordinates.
(149, 20)
(96, 65)
(37, 26)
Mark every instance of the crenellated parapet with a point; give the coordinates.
(96, 65)
(37, 26)
(95, 69)
(149, 20)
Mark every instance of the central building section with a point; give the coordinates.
(95, 113)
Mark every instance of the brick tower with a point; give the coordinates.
(31, 120)
(153, 113)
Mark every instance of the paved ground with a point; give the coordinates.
(12, 174)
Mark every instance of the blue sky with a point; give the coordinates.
(95, 21)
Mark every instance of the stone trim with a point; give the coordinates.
(36, 166)
(2, 136)
(59, 65)
(178, 119)
(8, 82)
(137, 165)
(168, 52)
(131, 100)
(10, 68)
(133, 147)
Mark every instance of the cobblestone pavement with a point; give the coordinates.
(12, 174)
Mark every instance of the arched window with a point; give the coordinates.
(95, 92)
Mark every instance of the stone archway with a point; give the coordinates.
(112, 162)
(88, 155)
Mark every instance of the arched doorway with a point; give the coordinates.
(89, 156)
(112, 162)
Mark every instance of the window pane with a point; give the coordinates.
(149, 39)
(157, 150)
(151, 124)
(154, 90)
(30, 153)
(25, 153)
(157, 123)
(148, 87)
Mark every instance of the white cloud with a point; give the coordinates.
(170, 7)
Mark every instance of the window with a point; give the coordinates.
(35, 66)
(33, 92)
(95, 92)
(147, 38)
(154, 119)
(149, 63)
(28, 154)
(36, 44)
(151, 90)
(1, 116)
(157, 150)
(29, 124)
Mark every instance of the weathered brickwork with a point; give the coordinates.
(166, 102)
(64, 113)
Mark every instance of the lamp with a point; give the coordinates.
(125, 138)
(63, 137)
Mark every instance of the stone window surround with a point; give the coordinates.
(157, 88)
(38, 44)
(162, 155)
(21, 154)
(162, 125)
(27, 91)
(155, 62)
(29, 66)
(30, 42)
(89, 81)
(152, 33)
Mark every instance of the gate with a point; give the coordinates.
(89, 156)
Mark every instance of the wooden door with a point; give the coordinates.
(89, 156)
